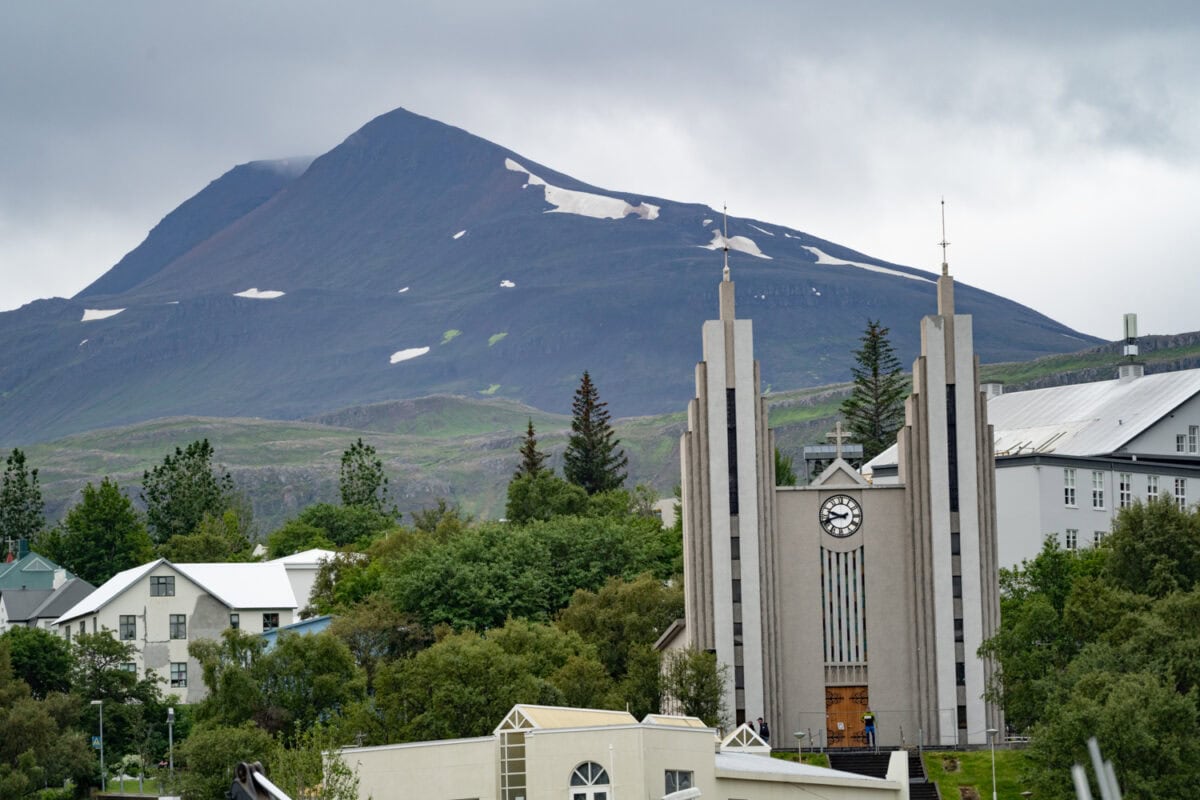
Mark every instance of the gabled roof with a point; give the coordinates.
(20, 603)
(526, 717)
(744, 739)
(1087, 419)
(15, 572)
(62, 598)
(305, 558)
(246, 585)
(673, 721)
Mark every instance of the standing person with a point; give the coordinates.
(869, 724)
(764, 732)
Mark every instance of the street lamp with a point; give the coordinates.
(991, 732)
(103, 775)
(171, 744)
(799, 741)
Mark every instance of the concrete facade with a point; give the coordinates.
(536, 754)
(817, 626)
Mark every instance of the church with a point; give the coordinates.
(841, 598)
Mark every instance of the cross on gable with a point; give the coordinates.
(838, 436)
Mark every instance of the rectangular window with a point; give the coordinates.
(162, 585)
(956, 582)
(737, 590)
(1072, 541)
(735, 548)
(1181, 493)
(1126, 489)
(958, 629)
(1069, 486)
(678, 780)
(178, 626)
(270, 621)
(960, 673)
(737, 633)
(129, 666)
(1151, 487)
(955, 543)
(83, 627)
(1193, 438)
(178, 674)
(1180, 443)
(739, 677)
(235, 621)
(128, 627)
(1097, 538)
(1097, 490)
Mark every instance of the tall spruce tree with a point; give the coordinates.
(874, 411)
(592, 459)
(533, 461)
(20, 500)
(180, 491)
(362, 481)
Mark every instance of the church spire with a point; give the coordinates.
(726, 284)
(945, 284)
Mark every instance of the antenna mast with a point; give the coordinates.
(943, 243)
(725, 237)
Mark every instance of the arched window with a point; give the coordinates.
(589, 781)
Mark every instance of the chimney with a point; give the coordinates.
(990, 390)
(1130, 370)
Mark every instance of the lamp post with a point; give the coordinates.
(103, 774)
(171, 745)
(991, 732)
(799, 741)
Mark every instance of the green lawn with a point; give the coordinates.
(950, 770)
(816, 759)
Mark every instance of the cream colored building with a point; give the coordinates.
(161, 607)
(549, 753)
(842, 597)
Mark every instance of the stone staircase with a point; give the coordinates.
(875, 764)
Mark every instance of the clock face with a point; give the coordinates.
(840, 515)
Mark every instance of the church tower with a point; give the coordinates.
(727, 504)
(845, 600)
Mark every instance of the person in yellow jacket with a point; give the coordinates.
(869, 727)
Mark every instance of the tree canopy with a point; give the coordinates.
(101, 535)
(362, 481)
(21, 503)
(180, 491)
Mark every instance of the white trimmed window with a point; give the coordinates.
(1180, 443)
(1193, 438)
(1181, 493)
(1069, 487)
(1151, 487)
(1125, 493)
(129, 666)
(1097, 538)
(1097, 489)
(1072, 539)
(589, 781)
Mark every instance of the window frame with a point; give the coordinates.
(1070, 499)
(178, 675)
(127, 627)
(1097, 490)
(1071, 539)
(235, 620)
(676, 780)
(267, 627)
(1125, 489)
(1181, 493)
(177, 626)
(1152, 487)
(162, 585)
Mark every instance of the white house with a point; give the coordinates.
(1068, 458)
(160, 607)
(548, 753)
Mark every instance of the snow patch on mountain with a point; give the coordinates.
(826, 259)
(459, 235)
(743, 244)
(762, 230)
(402, 291)
(585, 204)
(507, 284)
(93, 314)
(253, 293)
(405, 355)
(706, 222)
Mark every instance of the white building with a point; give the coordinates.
(160, 607)
(546, 753)
(1068, 458)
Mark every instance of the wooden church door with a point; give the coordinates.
(844, 709)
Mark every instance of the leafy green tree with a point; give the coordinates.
(542, 496)
(785, 474)
(209, 756)
(234, 694)
(41, 659)
(695, 682)
(442, 521)
(313, 769)
(218, 538)
(296, 536)
(533, 460)
(593, 459)
(376, 633)
(103, 534)
(21, 503)
(362, 481)
(1155, 548)
(874, 411)
(305, 679)
(621, 616)
(134, 711)
(180, 491)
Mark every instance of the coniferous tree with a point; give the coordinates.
(592, 459)
(785, 473)
(362, 481)
(180, 491)
(20, 499)
(874, 411)
(533, 461)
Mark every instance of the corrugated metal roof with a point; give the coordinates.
(111, 588)
(673, 721)
(1087, 419)
(306, 557)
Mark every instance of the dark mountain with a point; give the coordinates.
(415, 258)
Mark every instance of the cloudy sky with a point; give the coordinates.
(1064, 136)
